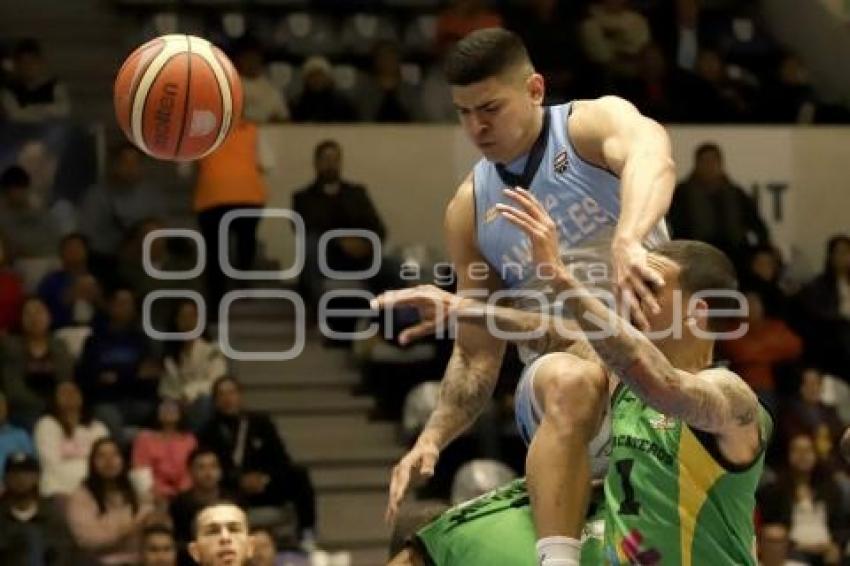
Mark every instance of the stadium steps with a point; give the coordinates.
(324, 425)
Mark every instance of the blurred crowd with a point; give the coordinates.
(692, 61)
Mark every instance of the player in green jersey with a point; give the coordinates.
(491, 530)
(687, 438)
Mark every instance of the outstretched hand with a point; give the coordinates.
(636, 281)
(529, 216)
(434, 306)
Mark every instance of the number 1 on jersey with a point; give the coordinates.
(629, 505)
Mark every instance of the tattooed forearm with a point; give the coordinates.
(539, 332)
(708, 404)
(464, 393)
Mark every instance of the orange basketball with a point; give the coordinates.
(177, 97)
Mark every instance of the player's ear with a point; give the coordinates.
(536, 88)
(194, 552)
(698, 315)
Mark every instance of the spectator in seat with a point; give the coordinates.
(64, 438)
(71, 293)
(164, 451)
(265, 549)
(320, 101)
(805, 500)
(763, 274)
(263, 102)
(33, 364)
(386, 97)
(13, 440)
(767, 343)
(32, 528)
(33, 95)
(111, 210)
(133, 274)
(158, 547)
(808, 415)
(825, 309)
(658, 90)
(613, 36)
(105, 514)
(255, 462)
(709, 207)
(788, 96)
(715, 97)
(205, 472)
(231, 179)
(118, 371)
(28, 230)
(330, 203)
(191, 368)
(11, 292)
(556, 55)
(462, 17)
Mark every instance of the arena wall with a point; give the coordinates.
(796, 175)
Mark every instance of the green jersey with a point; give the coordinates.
(497, 529)
(670, 496)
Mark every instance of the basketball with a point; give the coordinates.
(177, 97)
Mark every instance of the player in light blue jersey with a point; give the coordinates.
(606, 176)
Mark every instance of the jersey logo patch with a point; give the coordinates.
(560, 163)
(491, 214)
(662, 422)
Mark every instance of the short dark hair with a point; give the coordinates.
(703, 267)
(216, 503)
(483, 54)
(221, 381)
(326, 144)
(198, 452)
(708, 147)
(15, 176)
(157, 529)
(832, 245)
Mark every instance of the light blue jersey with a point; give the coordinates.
(583, 200)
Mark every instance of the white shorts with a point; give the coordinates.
(529, 413)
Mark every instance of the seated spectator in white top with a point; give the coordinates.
(320, 101)
(613, 36)
(105, 514)
(263, 102)
(28, 230)
(807, 502)
(34, 95)
(191, 368)
(63, 440)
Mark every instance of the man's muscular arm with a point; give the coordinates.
(611, 133)
(474, 365)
